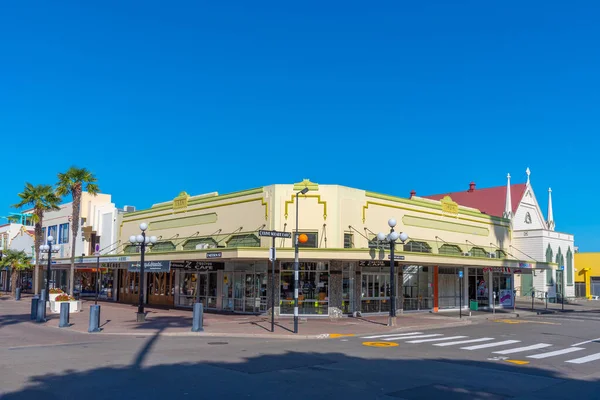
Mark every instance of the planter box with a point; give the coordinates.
(75, 306)
(53, 296)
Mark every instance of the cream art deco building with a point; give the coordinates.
(209, 250)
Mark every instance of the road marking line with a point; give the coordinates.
(436, 339)
(394, 334)
(465, 341)
(339, 335)
(556, 353)
(587, 341)
(380, 344)
(483, 346)
(518, 362)
(526, 348)
(412, 337)
(583, 360)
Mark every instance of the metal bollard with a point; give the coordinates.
(64, 314)
(494, 304)
(546, 300)
(532, 298)
(94, 325)
(198, 318)
(18, 294)
(34, 307)
(41, 311)
(44, 295)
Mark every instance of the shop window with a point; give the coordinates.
(191, 244)
(43, 235)
(478, 252)
(131, 248)
(500, 254)
(163, 247)
(348, 241)
(52, 232)
(417, 247)
(450, 249)
(313, 290)
(549, 256)
(312, 239)
(244, 241)
(569, 267)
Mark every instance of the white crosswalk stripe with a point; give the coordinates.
(583, 360)
(436, 339)
(522, 349)
(495, 344)
(412, 337)
(390, 335)
(464, 341)
(556, 353)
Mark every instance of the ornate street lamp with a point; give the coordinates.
(142, 240)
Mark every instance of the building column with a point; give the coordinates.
(335, 289)
(435, 289)
(465, 293)
(490, 287)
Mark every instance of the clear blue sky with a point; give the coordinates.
(160, 97)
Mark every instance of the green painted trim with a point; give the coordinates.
(426, 204)
(169, 205)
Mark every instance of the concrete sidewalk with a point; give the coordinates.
(120, 319)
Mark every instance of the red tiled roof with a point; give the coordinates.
(488, 200)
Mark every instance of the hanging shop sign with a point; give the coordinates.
(525, 265)
(198, 265)
(378, 263)
(504, 270)
(214, 254)
(150, 266)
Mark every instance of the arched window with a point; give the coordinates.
(191, 244)
(500, 254)
(478, 252)
(163, 246)
(250, 240)
(549, 256)
(417, 247)
(569, 266)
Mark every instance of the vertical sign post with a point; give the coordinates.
(562, 289)
(99, 276)
(460, 294)
(272, 258)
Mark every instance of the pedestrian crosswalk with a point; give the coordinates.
(499, 347)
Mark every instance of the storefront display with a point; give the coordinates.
(417, 288)
(313, 290)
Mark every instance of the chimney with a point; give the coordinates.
(412, 194)
(472, 187)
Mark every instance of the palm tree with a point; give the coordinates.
(42, 198)
(16, 261)
(72, 182)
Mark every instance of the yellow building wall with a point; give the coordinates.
(588, 265)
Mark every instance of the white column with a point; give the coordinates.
(465, 293)
(490, 286)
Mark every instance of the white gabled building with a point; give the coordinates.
(17, 235)
(535, 236)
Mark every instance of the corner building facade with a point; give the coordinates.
(209, 250)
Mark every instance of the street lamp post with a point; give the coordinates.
(296, 266)
(391, 238)
(49, 249)
(142, 240)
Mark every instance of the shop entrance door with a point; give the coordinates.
(160, 288)
(559, 285)
(375, 293)
(249, 292)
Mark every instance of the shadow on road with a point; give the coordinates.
(304, 375)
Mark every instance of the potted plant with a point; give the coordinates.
(74, 305)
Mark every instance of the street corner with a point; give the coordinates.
(380, 344)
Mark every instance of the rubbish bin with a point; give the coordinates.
(474, 305)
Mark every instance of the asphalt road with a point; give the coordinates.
(49, 363)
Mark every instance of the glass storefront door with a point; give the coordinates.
(198, 287)
(249, 292)
(417, 290)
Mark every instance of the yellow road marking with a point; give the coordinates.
(380, 344)
(339, 335)
(524, 321)
(518, 362)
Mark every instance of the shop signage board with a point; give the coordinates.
(198, 265)
(93, 260)
(525, 265)
(506, 297)
(150, 266)
(214, 254)
(395, 257)
(377, 263)
(504, 270)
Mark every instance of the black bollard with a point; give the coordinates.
(198, 318)
(64, 314)
(18, 294)
(34, 307)
(532, 298)
(94, 325)
(41, 311)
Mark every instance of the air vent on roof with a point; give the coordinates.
(492, 255)
(466, 254)
(128, 209)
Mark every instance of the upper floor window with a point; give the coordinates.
(418, 247)
(312, 239)
(63, 233)
(52, 232)
(450, 249)
(244, 241)
(348, 241)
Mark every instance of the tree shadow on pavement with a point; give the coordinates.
(307, 375)
(12, 319)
